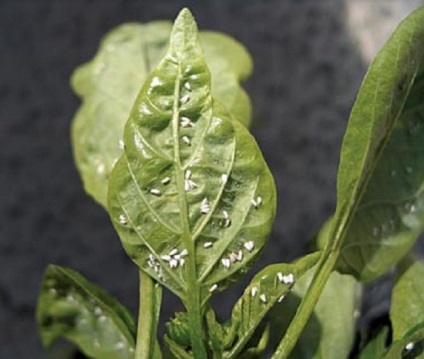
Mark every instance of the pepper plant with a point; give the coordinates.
(193, 202)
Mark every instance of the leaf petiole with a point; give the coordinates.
(150, 299)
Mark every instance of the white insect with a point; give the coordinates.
(184, 252)
(173, 252)
(227, 219)
(186, 140)
(224, 178)
(207, 244)
(239, 256)
(410, 346)
(249, 245)
(254, 291)
(166, 180)
(205, 206)
(226, 262)
(121, 144)
(213, 288)
(186, 122)
(262, 297)
(185, 99)
(173, 263)
(233, 257)
(155, 191)
(281, 298)
(287, 279)
(256, 202)
(187, 86)
(166, 257)
(122, 219)
(188, 183)
(182, 262)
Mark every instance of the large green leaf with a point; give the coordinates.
(380, 208)
(376, 347)
(330, 331)
(268, 287)
(193, 205)
(73, 308)
(109, 84)
(407, 306)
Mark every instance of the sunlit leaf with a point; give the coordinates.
(330, 331)
(380, 209)
(407, 306)
(108, 86)
(192, 203)
(71, 307)
(376, 347)
(268, 287)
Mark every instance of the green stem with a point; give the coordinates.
(192, 298)
(150, 297)
(324, 268)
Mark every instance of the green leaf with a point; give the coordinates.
(256, 349)
(108, 86)
(193, 205)
(73, 308)
(330, 331)
(380, 208)
(411, 346)
(229, 63)
(268, 287)
(407, 306)
(376, 347)
(174, 350)
(178, 329)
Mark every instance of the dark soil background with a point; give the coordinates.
(309, 62)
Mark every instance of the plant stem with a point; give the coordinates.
(325, 267)
(192, 296)
(150, 297)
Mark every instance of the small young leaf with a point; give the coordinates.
(380, 209)
(268, 287)
(256, 349)
(174, 350)
(109, 84)
(193, 205)
(178, 329)
(376, 347)
(411, 346)
(407, 306)
(73, 308)
(330, 331)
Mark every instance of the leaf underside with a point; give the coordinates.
(108, 86)
(71, 307)
(380, 210)
(192, 185)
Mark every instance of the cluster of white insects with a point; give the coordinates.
(174, 258)
(286, 279)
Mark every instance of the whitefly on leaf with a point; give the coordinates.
(186, 186)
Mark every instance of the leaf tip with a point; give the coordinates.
(185, 30)
(185, 17)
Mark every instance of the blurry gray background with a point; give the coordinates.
(310, 57)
